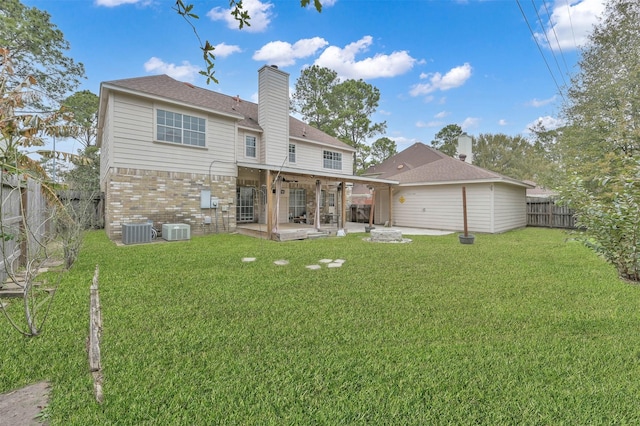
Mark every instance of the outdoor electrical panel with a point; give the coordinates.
(207, 201)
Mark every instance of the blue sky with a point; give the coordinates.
(435, 62)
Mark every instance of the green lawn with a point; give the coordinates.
(518, 328)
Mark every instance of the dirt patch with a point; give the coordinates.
(21, 407)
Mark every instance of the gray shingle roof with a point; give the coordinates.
(165, 87)
(422, 164)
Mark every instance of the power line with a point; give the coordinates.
(571, 24)
(540, 49)
(548, 42)
(553, 28)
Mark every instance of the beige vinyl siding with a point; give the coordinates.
(106, 153)
(440, 207)
(134, 145)
(273, 113)
(309, 157)
(510, 207)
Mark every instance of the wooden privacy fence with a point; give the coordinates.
(23, 207)
(545, 212)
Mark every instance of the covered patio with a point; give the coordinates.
(284, 211)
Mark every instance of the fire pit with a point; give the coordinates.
(386, 236)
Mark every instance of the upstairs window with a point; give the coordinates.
(180, 128)
(250, 146)
(332, 160)
(292, 153)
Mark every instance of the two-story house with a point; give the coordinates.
(175, 153)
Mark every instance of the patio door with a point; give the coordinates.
(245, 204)
(297, 202)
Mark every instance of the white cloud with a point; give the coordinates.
(283, 54)
(223, 50)
(343, 61)
(423, 124)
(114, 3)
(502, 122)
(259, 12)
(184, 72)
(470, 123)
(549, 123)
(571, 24)
(456, 77)
(542, 102)
(442, 114)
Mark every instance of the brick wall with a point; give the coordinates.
(136, 196)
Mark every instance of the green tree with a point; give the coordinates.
(600, 146)
(446, 140)
(549, 170)
(353, 103)
(83, 107)
(382, 149)
(603, 101)
(512, 156)
(36, 49)
(312, 94)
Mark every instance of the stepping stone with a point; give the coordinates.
(325, 260)
(313, 267)
(339, 261)
(281, 262)
(248, 259)
(334, 265)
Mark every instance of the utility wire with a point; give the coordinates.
(571, 24)
(540, 50)
(548, 42)
(553, 28)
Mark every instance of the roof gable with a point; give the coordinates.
(422, 164)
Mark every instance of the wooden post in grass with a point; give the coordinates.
(465, 238)
(95, 330)
(464, 210)
(373, 205)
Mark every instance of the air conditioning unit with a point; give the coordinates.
(136, 233)
(176, 231)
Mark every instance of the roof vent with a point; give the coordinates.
(274, 66)
(462, 157)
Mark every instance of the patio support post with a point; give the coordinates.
(269, 205)
(373, 206)
(343, 205)
(316, 218)
(390, 205)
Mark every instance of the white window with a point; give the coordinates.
(250, 146)
(332, 160)
(180, 128)
(292, 153)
